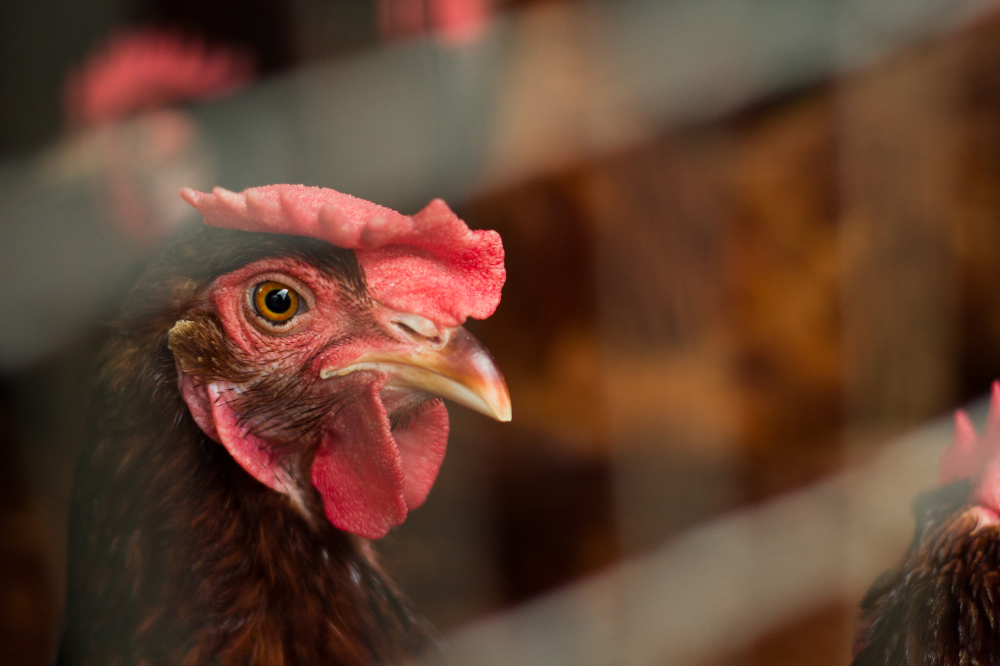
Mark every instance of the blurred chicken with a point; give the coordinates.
(941, 606)
(316, 354)
(144, 76)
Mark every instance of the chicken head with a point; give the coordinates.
(325, 368)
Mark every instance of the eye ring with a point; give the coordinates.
(276, 302)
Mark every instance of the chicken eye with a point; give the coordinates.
(275, 302)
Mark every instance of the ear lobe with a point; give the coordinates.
(209, 408)
(195, 394)
(253, 453)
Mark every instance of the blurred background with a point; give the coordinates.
(752, 253)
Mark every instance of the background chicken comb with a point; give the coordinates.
(148, 69)
(430, 263)
(976, 457)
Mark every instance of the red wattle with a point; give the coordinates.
(421, 446)
(369, 476)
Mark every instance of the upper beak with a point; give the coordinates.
(462, 370)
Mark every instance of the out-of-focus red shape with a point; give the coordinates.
(454, 22)
(976, 457)
(958, 460)
(148, 69)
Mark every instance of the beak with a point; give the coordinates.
(462, 370)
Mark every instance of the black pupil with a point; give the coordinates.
(278, 301)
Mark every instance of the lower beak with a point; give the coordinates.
(462, 371)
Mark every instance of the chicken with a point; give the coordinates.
(941, 605)
(270, 400)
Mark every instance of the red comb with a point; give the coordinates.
(148, 69)
(430, 264)
(976, 457)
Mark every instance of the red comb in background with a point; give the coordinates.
(429, 264)
(975, 457)
(149, 69)
(454, 22)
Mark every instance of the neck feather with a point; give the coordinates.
(177, 555)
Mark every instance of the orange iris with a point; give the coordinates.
(275, 302)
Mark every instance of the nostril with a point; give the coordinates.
(406, 329)
(413, 324)
(403, 327)
(434, 340)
